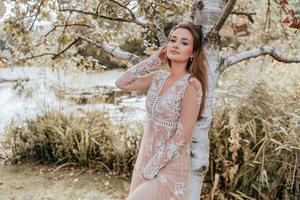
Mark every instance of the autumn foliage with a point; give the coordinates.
(290, 20)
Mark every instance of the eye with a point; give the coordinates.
(172, 40)
(185, 43)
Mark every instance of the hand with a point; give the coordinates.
(162, 54)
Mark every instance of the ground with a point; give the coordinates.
(38, 182)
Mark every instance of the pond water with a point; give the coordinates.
(28, 91)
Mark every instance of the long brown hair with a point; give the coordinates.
(198, 66)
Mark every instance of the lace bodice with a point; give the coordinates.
(163, 112)
(165, 108)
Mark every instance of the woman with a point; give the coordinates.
(175, 101)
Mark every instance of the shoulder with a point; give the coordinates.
(190, 90)
(190, 101)
(193, 89)
(195, 83)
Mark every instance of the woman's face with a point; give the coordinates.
(180, 45)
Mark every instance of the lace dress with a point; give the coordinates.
(163, 166)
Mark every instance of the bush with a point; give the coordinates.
(255, 147)
(85, 139)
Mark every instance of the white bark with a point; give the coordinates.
(266, 50)
(2, 9)
(207, 17)
(213, 16)
(225, 13)
(120, 54)
(113, 51)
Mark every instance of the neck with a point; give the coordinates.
(177, 70)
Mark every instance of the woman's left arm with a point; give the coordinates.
(189, 111)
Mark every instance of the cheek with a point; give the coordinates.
(168, 46)
(188, 51)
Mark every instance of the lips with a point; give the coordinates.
(174, 52)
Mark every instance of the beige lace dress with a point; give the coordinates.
(163, 166)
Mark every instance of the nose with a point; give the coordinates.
(175, 45)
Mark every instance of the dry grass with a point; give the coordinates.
(86, 139)
(255, 144)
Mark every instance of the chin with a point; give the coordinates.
(176, 59)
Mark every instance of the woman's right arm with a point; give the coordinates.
(138, 77)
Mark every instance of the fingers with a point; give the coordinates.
(162, 48)
(163, 54)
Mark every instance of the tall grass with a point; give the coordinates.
(89, 138)
(255, 143)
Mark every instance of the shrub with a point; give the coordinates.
(255, 147)
(81, 138)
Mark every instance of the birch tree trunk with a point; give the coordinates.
(2, 9)
(206, 13)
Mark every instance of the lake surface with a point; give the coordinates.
(28, 91)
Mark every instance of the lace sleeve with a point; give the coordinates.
(165, 152)
(131, 75)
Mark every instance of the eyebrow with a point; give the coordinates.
(182, 38)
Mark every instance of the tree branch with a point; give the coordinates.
(55, 55)
(226, 12)
(41, 55)
(64, 50)
(125, 7)
(98, 6)
(214, 34)
(249, 15)
(134, 59)
(93, 14)
(266, 50)
(64, 30)
(158, 28)
(37, 13)
(65, 25)
(96, 14)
